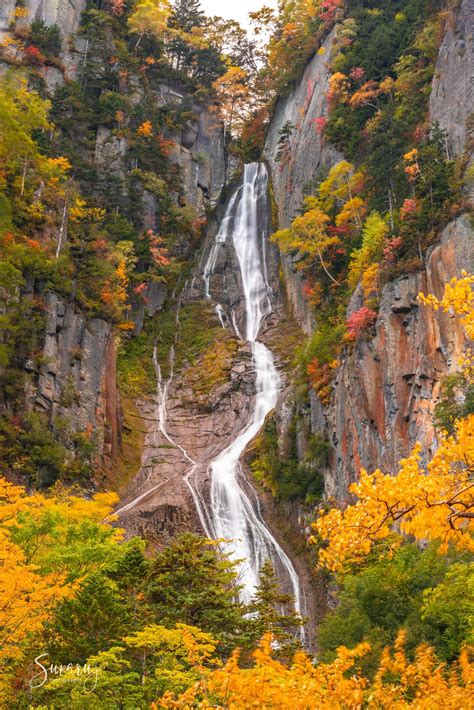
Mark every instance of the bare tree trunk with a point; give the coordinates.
(61, 231)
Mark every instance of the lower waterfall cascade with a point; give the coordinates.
(234, 513)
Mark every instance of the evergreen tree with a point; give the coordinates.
(186, 15)
(193, 583)
(89, 622)
(271, 611)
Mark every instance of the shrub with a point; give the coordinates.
(360, 322)
(46, 37)
(34, 56)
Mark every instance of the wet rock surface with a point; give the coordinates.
(192, 440)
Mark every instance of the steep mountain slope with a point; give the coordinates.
(385, 390)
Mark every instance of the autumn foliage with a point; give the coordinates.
(47, 544)
(419, 684)
(360, 322)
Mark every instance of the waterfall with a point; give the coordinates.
(233, 515)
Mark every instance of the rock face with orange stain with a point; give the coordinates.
(76, 383)
(387, 387)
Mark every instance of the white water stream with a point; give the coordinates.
(233, 516)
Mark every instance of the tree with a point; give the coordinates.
(266, 615)
(184, 19)
(186, 15)
(232, 42)
(135, 672)
(337, 200)
(399, 682)
(458, 298)
(232, 93)
(435, 503)
(90, 621)
(393, 592)
(21, 113)
(360, 322)
(310, 238)
(374, 234)
(192, 582)
(47, 545)
(149, 17)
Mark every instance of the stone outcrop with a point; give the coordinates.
(452, 96)
(199, 151)
(76, 382)
(305, 159)
(180, 432)
(7, 8)
(387, 388)
(307, 155)
(66, 14)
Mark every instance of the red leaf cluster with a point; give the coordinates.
(34, 55)
(359, 322)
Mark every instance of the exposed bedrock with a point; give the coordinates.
(76, 382)
(305, 158)
(387, 388)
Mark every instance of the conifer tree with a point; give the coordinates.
(192, 582)
(271, 612)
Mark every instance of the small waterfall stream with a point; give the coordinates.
(233, 515)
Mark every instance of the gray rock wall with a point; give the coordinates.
(73, 384)
(66, 14)
(7, 8)
(308, 156)
(386, 389)
(199, 151)
(452, 96)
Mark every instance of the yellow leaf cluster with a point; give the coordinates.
(430, 504)
(458, 297)
(145, 129)
(421, 684)
(32, 581)
(270, 684)
(149, 17)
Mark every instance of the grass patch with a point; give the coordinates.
(213, 367)
(198, 328)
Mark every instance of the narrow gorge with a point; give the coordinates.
(199, 476)
(236, 354)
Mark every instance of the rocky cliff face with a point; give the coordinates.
(76, 384)
(66, 14)
(452, 95)
(303, 159)
(386, 389)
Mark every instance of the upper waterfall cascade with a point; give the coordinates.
(234, 514)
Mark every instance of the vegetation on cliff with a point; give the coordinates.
(373, 218)
(163, 628)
